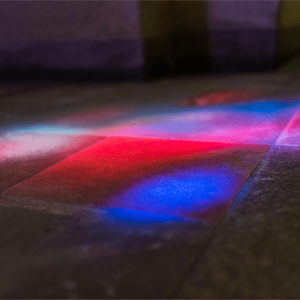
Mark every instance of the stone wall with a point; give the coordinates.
(93, 39)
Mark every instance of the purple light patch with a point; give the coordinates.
(254, 123)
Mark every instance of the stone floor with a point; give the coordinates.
(176, 188)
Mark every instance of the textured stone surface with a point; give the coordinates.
(161, 176)
(103, 253)
(23, 230)
(54, 208)
(111, 254)
(291, 135)
(24, 154)
(45, 100)
(254, 253)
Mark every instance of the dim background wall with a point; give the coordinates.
(117, 40)
(100, 39)
(243, 35)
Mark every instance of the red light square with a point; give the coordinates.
(177, 177)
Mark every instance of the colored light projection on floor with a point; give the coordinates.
(291, 134)
(223, 97)
(76, 123)
(25, 154)
(255, 123)
(187, 179)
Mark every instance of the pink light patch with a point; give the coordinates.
(228, 125)
(27, 144)
(25, 154)
(291, 134)
(189, 179)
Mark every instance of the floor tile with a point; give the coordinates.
(181, 178)
(291, 134)
(79, 122)
(24, 154)
(254, 253)
(55, 208)
(255, 122)
(111, 253)
(22, 230)
(222, 97)
(61, 250)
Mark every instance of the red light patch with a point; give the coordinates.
(177, 177)
(222, 97)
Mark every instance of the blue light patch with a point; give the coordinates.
(182, 192)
